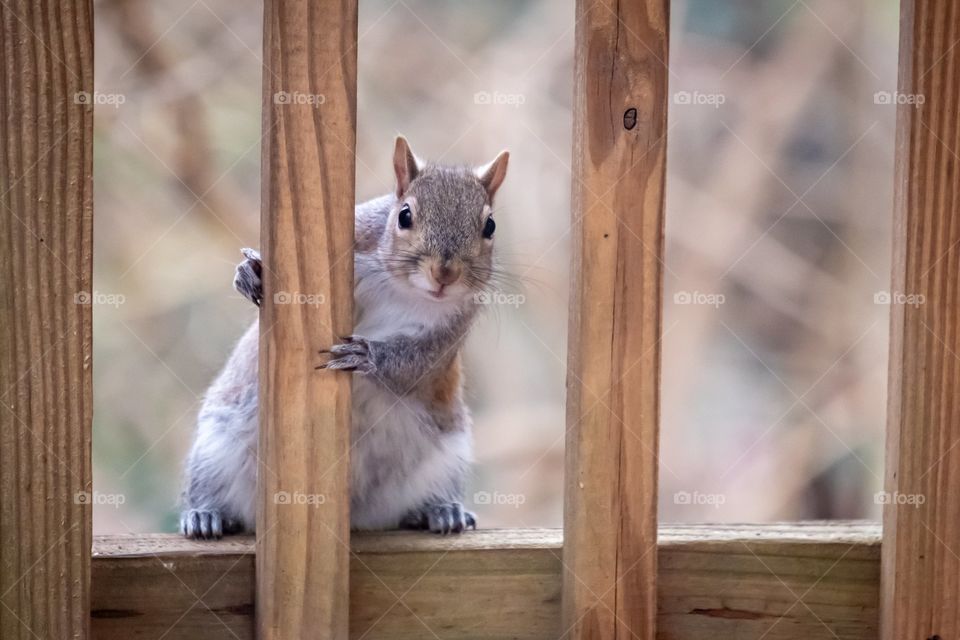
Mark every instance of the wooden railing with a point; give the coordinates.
(609, 574)
(787, 581)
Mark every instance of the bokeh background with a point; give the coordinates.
(779, 199)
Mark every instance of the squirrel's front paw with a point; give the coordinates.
(247, 279)
(201, 524)
(352, 355)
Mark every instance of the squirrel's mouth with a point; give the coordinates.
(436, 291)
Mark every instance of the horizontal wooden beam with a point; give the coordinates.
(779, 582)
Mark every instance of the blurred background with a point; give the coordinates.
(779, 199)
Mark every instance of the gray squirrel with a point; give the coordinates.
(422, 256)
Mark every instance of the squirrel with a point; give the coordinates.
(422, 257)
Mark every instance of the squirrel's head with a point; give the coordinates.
(439, 235)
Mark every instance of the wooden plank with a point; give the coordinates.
(796, 581)
(777, 582)
(309, 122)
(46, 219)
(620, 113)
(922, 518)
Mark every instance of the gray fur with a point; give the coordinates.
(411, 434)
(402, 362)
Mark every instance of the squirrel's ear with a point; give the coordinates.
(405, 165)
(491, 175)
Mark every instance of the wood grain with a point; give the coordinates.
(921, 564)
(309, 123)
(46, 216)
(797, 581)
(620, 109)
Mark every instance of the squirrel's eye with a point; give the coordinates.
(488, 228)
(405, 219)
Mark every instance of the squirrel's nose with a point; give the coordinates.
(445, 273)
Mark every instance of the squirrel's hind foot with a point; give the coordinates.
(444, 518)
(201, 524)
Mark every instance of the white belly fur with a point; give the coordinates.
(399, 459)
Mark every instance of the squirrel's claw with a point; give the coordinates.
(353, 355)
(353, 346)
(444, 518)
(450, 518)
(201, 524)
(349, 363)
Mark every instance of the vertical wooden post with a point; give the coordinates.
(921, 520)
(610, 523)
(309, 122)
(46, 219)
